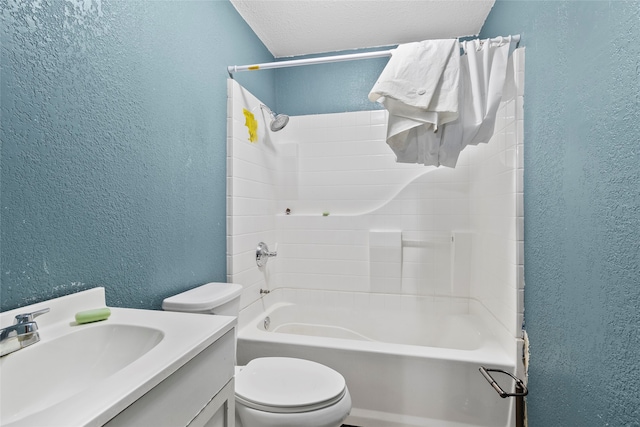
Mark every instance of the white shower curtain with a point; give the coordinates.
(483, 69)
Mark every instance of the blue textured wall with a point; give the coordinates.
(328, 88)
(114, 145)
(582, 207)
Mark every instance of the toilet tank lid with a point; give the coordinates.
(203, 298)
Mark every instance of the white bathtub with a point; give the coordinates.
(407, 360)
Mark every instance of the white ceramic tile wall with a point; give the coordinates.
(334, 252)
(340, 164)
(344, 163)
(496, 206)
(253, 174)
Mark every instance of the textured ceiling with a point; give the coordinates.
(299, 27)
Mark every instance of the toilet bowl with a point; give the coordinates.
(272, 391)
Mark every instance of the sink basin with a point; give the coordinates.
(47, 373)
(85, 375)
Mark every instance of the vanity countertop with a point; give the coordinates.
(84, 375)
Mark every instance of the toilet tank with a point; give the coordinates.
(212, 298)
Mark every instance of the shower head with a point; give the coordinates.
(278, 121)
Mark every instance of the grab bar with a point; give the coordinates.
(519, 393)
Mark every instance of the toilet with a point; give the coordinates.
(272, 391)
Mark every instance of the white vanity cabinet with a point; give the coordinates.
(198, 394)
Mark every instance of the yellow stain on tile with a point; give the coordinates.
(252, 124)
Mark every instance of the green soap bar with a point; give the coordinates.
(94, 315)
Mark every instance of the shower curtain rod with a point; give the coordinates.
(327, 59)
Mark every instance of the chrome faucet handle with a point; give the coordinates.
(28, 317)
(263, 254)
(23, 332)
(18, 336)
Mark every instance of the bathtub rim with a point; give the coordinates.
(496, 350)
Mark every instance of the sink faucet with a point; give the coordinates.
(21, 334)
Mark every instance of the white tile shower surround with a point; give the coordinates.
(339, 163)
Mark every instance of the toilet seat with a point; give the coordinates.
(288, 385)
